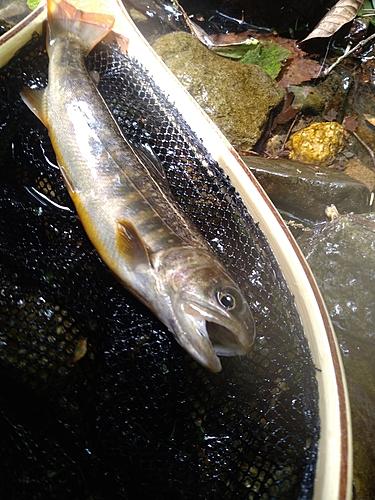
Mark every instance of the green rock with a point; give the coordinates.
(237, 97)
(308, 99)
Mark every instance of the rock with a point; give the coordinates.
(356, 170)
(335, 89)
(360, 377)
(237, 97)
(13, 12)
(342, 258)
(304, 192)
(317, 143)
(362, 106)
(308, 99)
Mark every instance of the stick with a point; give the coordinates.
(347, 53)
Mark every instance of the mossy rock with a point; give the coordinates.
(237, 97)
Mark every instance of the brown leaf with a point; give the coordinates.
(299, 67)
(350, 123)
(287, 113)
(230, 38)
(298, 70)
(331, 115)
(340, 14)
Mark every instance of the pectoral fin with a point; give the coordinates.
(36, 101)
(130, 245)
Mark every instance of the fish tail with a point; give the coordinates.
(89, 27)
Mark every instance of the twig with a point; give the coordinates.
(347, 53)
(289, 132)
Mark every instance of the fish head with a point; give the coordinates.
(211, 317)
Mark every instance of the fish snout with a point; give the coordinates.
(205, 335)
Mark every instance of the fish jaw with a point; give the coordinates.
(206, 333)
(190, 330)
(210, 316)
(229, 337)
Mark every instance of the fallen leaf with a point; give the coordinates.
(350, 123)
(287, 113)
(298, 68)
(341, 13)
(234, 50)
(196, 30)
(269, 55)
(369, 119)
(331, 115)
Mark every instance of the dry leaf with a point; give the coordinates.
(331, 115)
(340, 14)
(299, 68)
(369, 119)
(350, 123)
(287, 113)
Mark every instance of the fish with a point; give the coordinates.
(125, 206)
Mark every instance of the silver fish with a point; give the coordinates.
(125, 206)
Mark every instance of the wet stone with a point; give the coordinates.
(305, 191)
(308, 99)
(342, 258)
(237, 97)
(362, 107)
(334, 89)
(356, 170)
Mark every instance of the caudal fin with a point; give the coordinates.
(64, 18)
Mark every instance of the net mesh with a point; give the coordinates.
(97, 399)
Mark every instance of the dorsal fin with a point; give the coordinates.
(152, 164)
(130, 245)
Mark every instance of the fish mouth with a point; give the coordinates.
(206, 333)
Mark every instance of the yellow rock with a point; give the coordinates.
(317, 143)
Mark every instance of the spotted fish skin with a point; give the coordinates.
(125, 206)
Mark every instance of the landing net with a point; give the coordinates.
(97, 399)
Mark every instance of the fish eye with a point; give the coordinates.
(227, 300)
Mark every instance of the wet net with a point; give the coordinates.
(97, 400)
